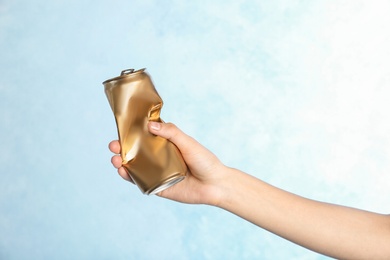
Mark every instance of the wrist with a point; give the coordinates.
(223, 188)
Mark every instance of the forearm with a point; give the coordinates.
(329, 229)
(332, 230)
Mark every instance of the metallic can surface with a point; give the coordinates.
(152, 162)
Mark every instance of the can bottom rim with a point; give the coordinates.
(165, 185)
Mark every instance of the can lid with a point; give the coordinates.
(126, 73)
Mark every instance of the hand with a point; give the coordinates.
(205, 170)
(333, 230)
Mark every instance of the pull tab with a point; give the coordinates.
(126, 72)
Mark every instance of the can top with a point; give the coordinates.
(125, 73)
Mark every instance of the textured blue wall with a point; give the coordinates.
(293, 92)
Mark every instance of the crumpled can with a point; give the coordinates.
(152, 162)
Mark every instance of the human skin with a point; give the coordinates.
(337, 231)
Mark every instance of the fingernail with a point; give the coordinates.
(155, 125)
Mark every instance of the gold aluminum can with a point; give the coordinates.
(152, 162)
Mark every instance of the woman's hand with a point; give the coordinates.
(333, 230)
(206, 172)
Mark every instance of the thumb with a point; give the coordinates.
(172, 133)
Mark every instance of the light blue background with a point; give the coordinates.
(294, 92)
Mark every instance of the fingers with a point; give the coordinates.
(122, 172)
(185, 143)
(116, 160)
(114, 146)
